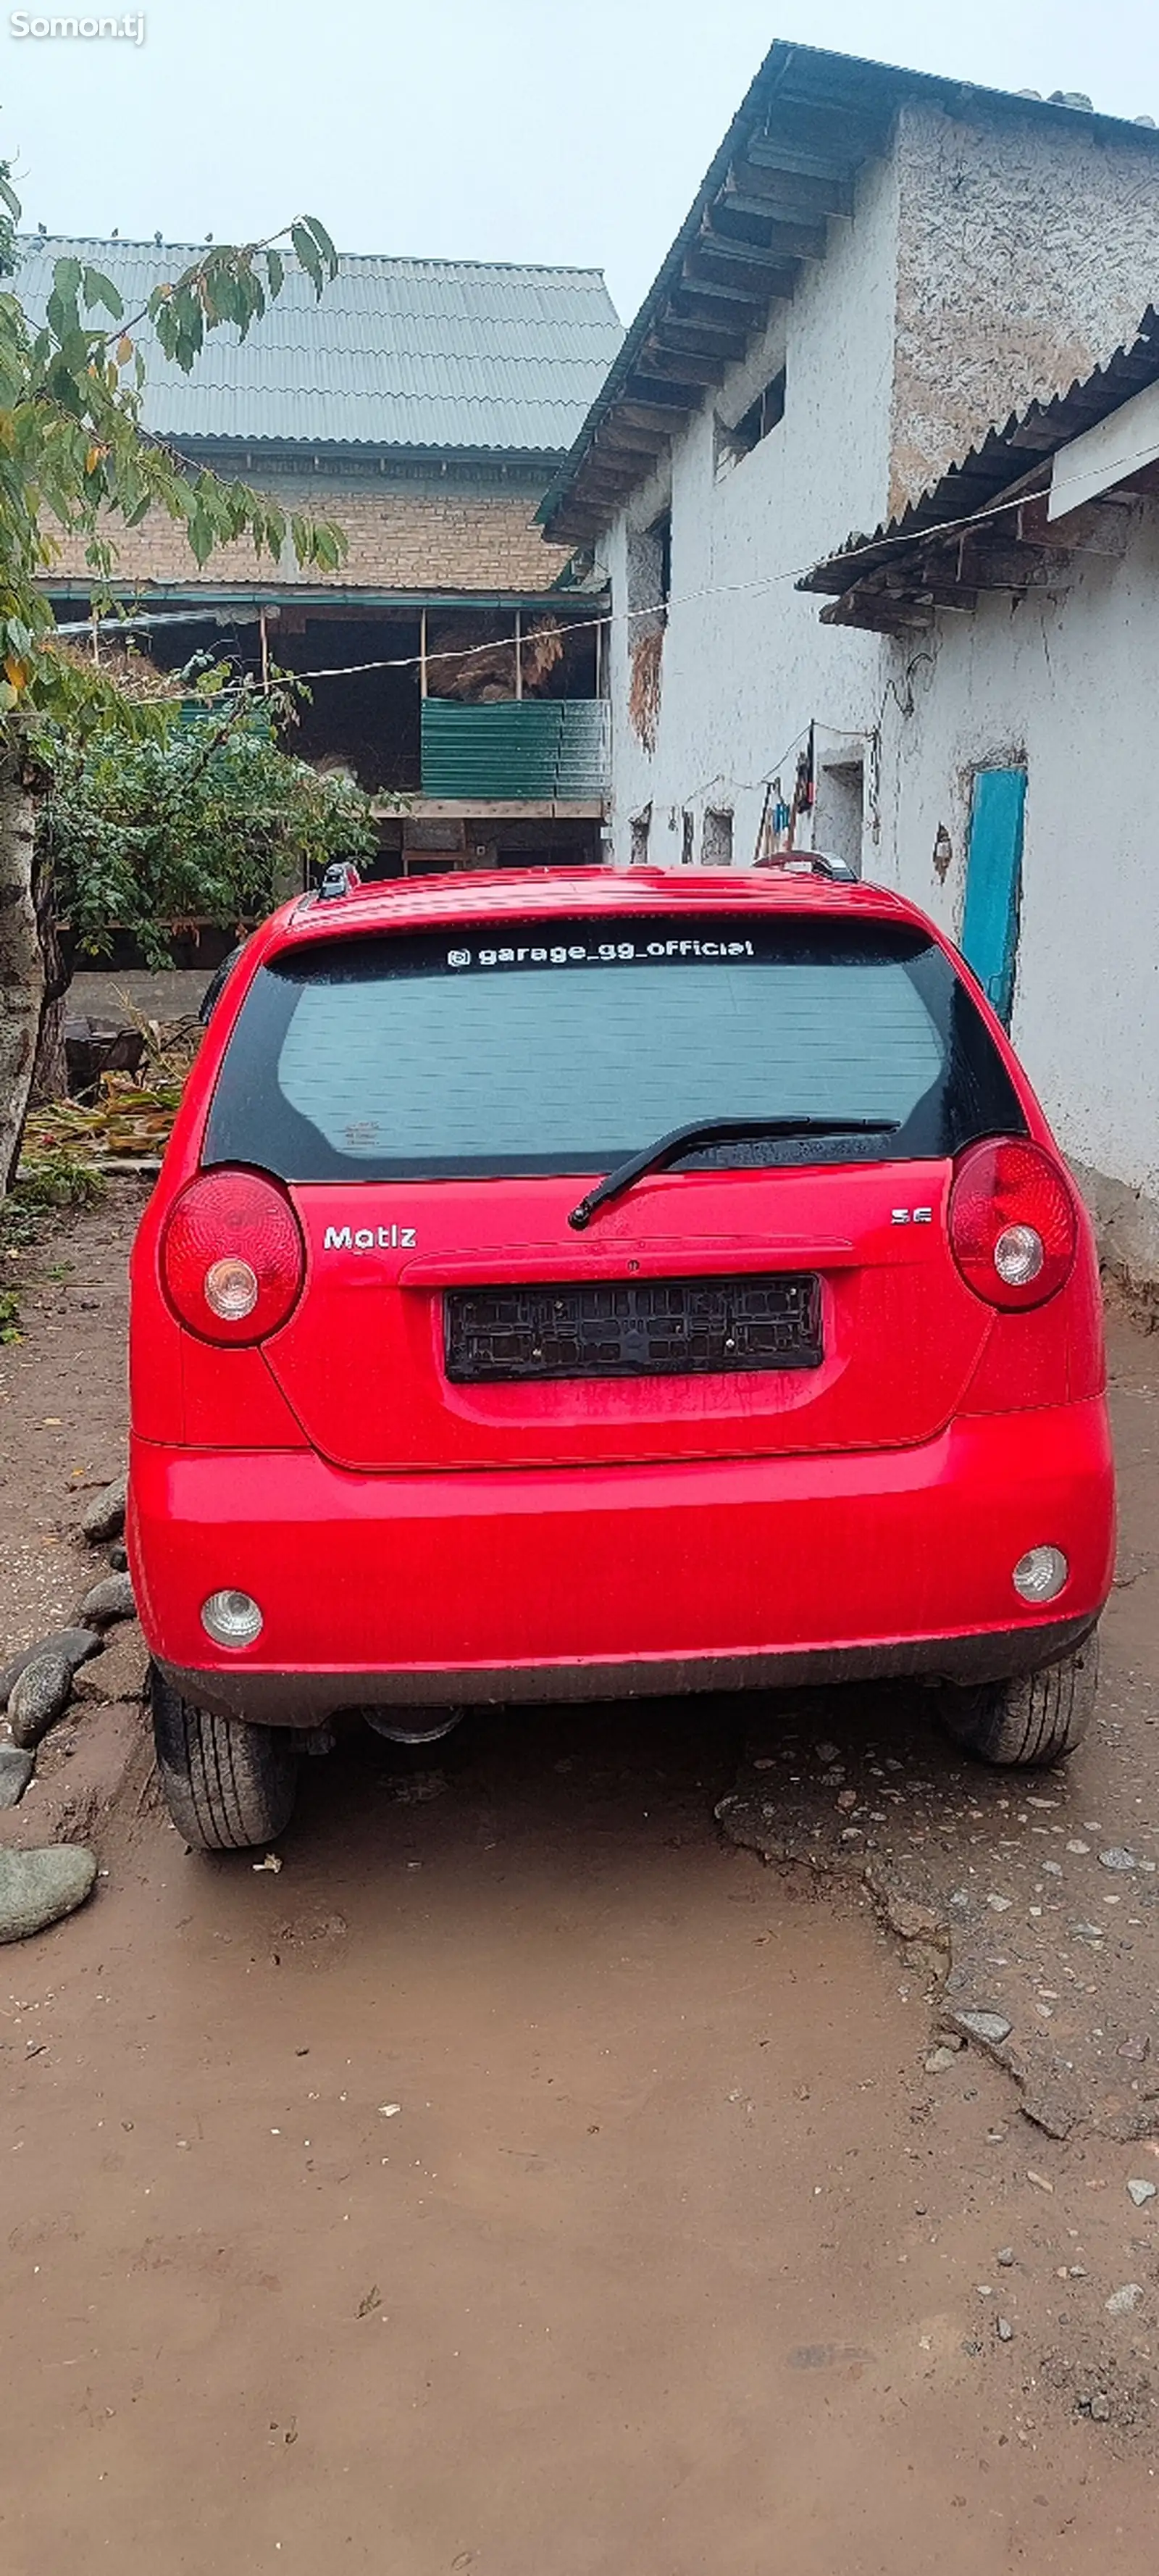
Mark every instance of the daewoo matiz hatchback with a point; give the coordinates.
(582, 1285)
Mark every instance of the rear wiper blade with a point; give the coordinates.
(715, 1131)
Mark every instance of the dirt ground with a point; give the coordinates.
(540, 2175)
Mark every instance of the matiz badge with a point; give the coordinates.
(370, 1238)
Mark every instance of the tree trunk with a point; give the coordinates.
(50, 1071)
(21, 967)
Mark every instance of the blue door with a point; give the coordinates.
(994, 883)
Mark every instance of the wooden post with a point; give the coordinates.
(422, 653)
(518, 653)
(265, 642)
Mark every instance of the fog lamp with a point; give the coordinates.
(231, 1618)
(1041, 1573)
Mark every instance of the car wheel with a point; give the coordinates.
(1034, 1717)
(228, 1786)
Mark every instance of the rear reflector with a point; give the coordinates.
(232, 1260)
(1013, 1229)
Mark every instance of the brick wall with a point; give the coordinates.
(426, 539)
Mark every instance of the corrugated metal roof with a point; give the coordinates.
(807, 112)
(429, 355)
(999, 459)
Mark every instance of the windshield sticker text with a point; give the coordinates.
(609, 952)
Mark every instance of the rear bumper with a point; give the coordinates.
(619, 1582)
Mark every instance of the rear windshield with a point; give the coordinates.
(567, 1048)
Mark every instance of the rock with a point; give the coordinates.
(16, 1769)
(1100, 2409)
(118, 1557)
(43, 1690)
(1117, 1858)
(121, 1673)
(940, 2060)
(989, 2027)
(109, 1600)
(825, 1753)
(1005, 2330)
(75, 1643)
(1122, 2303)
(105, 1517)
(1005, 2256)
(1142, 2192)
(38, 1887)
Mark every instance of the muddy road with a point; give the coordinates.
(532, 2178)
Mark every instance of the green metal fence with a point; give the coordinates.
(531, 750)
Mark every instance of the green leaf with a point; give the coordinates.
(275, 271)
(307, 252)
(101, 290)
(324, 242)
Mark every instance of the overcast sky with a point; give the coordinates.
(559, 130)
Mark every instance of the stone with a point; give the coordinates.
(1122, 2303)
(105, 1517)
(1005, 2256)
(43, 1690)
(1142, 2192)
(39, 1887)
(989, 2027)
(16, 1769)
(109, 1600)
(1100, 2409)
(940, 2061)
(1117, 1858)
(120, 1673)
(118, 1557)
(75, 1643)
(1004, 2329)
(826, 1753)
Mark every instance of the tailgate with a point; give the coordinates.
(708, 1315)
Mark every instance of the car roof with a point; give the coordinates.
(522, 894)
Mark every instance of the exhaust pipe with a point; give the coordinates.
(414, 1725)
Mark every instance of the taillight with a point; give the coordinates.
(1013, 1228)
(232, 1258)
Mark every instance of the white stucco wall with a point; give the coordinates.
(746, 665)
(1069, 685)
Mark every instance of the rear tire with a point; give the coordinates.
(228, 1786)
(1033, 1718)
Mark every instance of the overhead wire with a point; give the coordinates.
(626, 617)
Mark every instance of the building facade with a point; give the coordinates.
(878, 269)
(423, 405)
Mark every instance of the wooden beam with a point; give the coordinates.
(739, 303)
(819, 142)
(722, 339)
(1009, 566)
(738, 246)
(882, 616)
(653, 393)
(647, 415)
(1095, 528)
(634, 447)
(782, 240)
(785, 191)
(686, 366)
(712, 262)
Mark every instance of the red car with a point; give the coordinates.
(579, 1285)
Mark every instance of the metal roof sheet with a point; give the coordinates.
(807, 111)
(1027, 438)
(429, 355)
